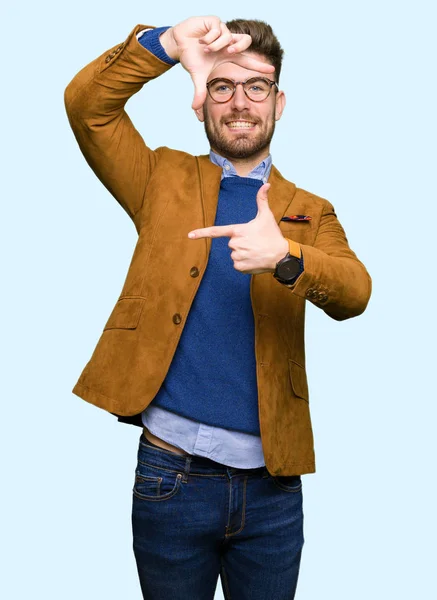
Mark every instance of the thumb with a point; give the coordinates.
(262, 200)
(199, 80)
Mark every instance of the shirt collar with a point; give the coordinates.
(261, 171)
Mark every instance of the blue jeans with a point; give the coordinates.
(195, 520)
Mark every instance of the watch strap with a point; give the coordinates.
(294, 248)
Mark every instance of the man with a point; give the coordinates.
(205, 346)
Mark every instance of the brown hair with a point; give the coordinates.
(264, 41)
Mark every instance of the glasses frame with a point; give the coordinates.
(235, 83)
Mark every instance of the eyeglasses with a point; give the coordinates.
(256, 88)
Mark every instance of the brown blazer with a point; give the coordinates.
(167, 193)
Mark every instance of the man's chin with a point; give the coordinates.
(241, 148)
(237, 145)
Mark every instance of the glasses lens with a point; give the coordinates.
(221, 90)
(257, 89)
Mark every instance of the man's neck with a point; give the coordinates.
(243, 166)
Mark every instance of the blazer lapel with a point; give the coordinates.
(281, 193)
(210, 177)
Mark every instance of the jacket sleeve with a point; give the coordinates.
(95, 103)
(334, 279)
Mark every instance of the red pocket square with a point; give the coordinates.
(297, 218)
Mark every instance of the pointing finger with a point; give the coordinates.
(212, 232)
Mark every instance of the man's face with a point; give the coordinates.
(241, 128)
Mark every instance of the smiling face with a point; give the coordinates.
(241, 128)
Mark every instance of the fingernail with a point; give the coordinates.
(191, 235)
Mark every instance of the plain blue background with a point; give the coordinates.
(360, 130)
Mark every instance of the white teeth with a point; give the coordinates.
(240, 124)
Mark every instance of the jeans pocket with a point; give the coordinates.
(288, 483)
(154, 483)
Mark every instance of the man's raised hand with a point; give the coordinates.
(257, 245)
(201, 44)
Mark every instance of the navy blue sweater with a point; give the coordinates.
(212, 378)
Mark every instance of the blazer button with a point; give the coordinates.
(177, 318)
(194, 272)
(309, 293)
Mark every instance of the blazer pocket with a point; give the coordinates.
(299, 231)
(125, 314)
(298, 379)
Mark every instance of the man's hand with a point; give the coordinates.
(201, 44)
(257, 245)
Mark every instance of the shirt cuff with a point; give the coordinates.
(149, 39)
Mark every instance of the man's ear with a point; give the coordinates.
(200, 114)
(280, 104)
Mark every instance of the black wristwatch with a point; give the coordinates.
(287, 269)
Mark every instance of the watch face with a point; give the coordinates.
(289, 268)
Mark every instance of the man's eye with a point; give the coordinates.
(223, 88)
(257, 88)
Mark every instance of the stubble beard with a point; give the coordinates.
(243, 145)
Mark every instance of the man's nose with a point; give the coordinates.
(239, 100)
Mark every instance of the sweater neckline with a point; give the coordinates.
(235, 181)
